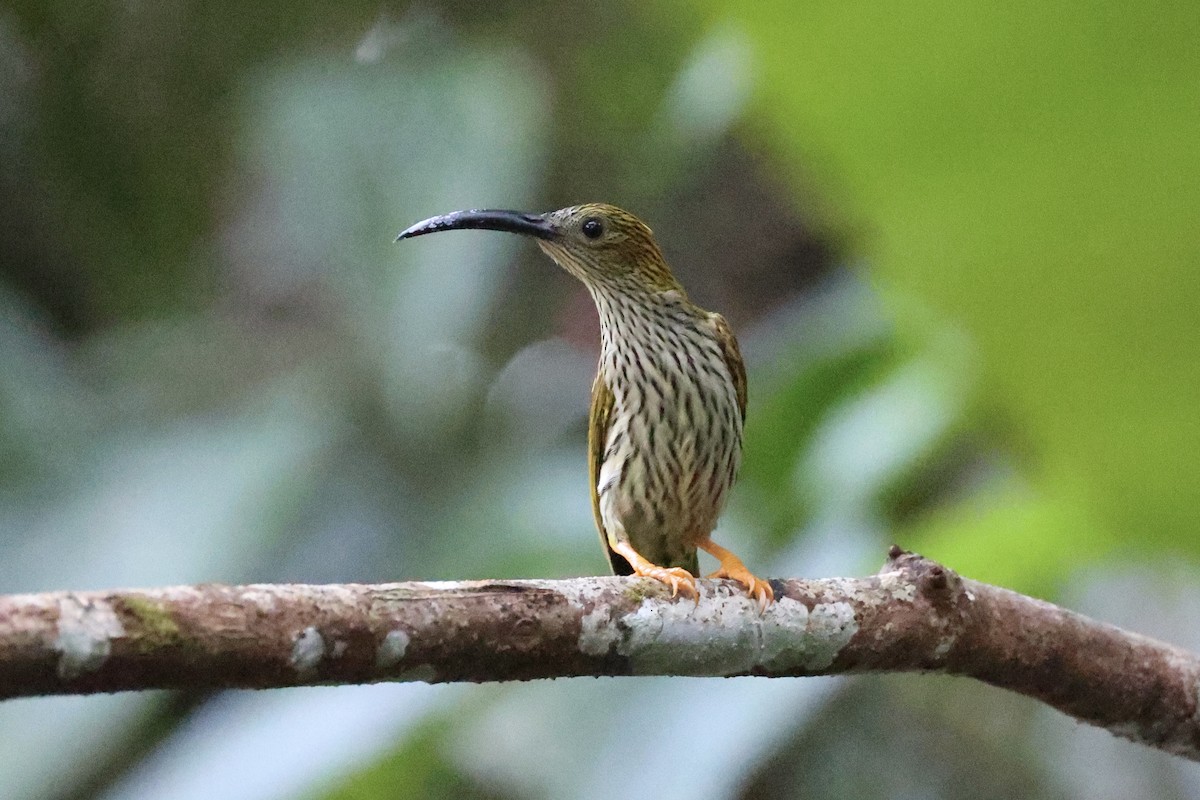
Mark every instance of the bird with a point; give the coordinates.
(668, 400)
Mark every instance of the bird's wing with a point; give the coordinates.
(599, 419)
(733, 359)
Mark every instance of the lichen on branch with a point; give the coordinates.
(914, 615)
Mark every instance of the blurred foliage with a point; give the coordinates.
(1021, 169)
(958, 243)
(865, 743)
(418, 769)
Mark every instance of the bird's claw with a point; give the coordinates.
(678, 578)
(758, 588)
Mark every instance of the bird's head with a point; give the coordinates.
(607, 248)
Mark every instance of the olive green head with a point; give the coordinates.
(606, 247)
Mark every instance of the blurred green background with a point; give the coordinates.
(958, 241)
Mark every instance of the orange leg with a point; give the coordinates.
(678, 578)
(732, 567)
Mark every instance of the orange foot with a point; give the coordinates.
(732, 567)
(678, 578)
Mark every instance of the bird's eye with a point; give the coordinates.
(592, 228)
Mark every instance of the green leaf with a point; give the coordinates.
(1028, 172)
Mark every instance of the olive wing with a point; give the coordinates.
(599, 420)
(733, 359)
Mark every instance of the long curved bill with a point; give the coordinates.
(484, 219)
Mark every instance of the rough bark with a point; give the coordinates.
(914, 615)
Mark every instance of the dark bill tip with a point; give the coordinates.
(484, 219)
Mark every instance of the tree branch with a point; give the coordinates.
(915, 615)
